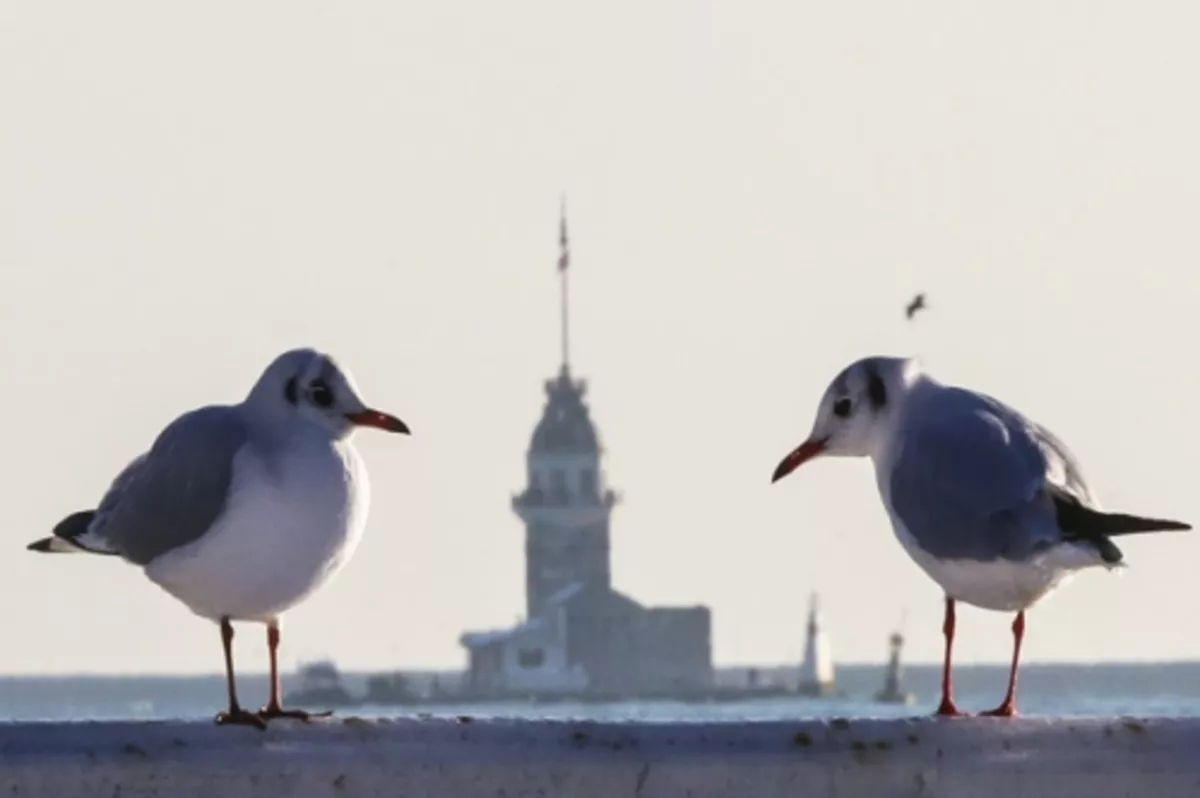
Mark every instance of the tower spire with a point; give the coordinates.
(564, 260)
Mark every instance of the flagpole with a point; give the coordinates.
(564, 261)
(565, 328)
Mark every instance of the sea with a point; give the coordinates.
(1143, 689)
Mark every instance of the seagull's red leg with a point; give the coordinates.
(274, 708)
(947, 707)
(1009, 707)
(235, 715)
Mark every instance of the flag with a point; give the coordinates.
(564, 257)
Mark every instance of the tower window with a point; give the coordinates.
(560, 483)
(587, 482)
(530, 658)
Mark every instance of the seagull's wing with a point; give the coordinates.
(1062, 468)
(171, 495)
(970, 480)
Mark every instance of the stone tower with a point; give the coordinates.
(566, 504)
(816, 671)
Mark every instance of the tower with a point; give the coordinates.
(566, 504)
(816, 672)
(892, 692)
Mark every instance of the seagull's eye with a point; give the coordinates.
(320, 393)
(841, 408)
(289, 391)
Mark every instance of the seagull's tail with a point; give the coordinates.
(1095, 527)
(53, 546)
(72, 536)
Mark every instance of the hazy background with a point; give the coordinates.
(755, 190)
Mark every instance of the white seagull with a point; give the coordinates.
(991, 505)
(242, 511)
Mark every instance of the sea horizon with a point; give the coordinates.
(1073, 689)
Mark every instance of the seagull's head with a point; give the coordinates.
(308, 386)
(856, 414)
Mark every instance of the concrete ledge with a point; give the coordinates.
(426, 758)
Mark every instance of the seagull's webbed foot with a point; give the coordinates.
(236, 716)
(272, 711)
(1006, 710)
(948, 709)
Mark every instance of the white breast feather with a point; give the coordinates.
(285, 531)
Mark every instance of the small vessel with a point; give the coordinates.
(390, 688)
(321, 686)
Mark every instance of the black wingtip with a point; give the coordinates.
(74, 525)
(1109, 552)
(1138, 524)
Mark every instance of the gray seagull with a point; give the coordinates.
(988, 503)
(242, 511)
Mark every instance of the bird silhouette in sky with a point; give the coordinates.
(918, 303)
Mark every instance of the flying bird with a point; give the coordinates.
(242, 511)
(988, 503)
(918, 303)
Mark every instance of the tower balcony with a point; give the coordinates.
(536, 498)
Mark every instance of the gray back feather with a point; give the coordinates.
(171, 495)
(970, 481)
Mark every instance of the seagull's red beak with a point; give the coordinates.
(801, 454)
(374, 418)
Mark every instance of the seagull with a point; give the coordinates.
(918, 303)
(988, 503)
(243, 511)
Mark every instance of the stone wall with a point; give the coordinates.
(966, 758)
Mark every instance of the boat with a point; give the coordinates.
(390, 688)
(321, 686)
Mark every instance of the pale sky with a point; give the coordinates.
(755, 191)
